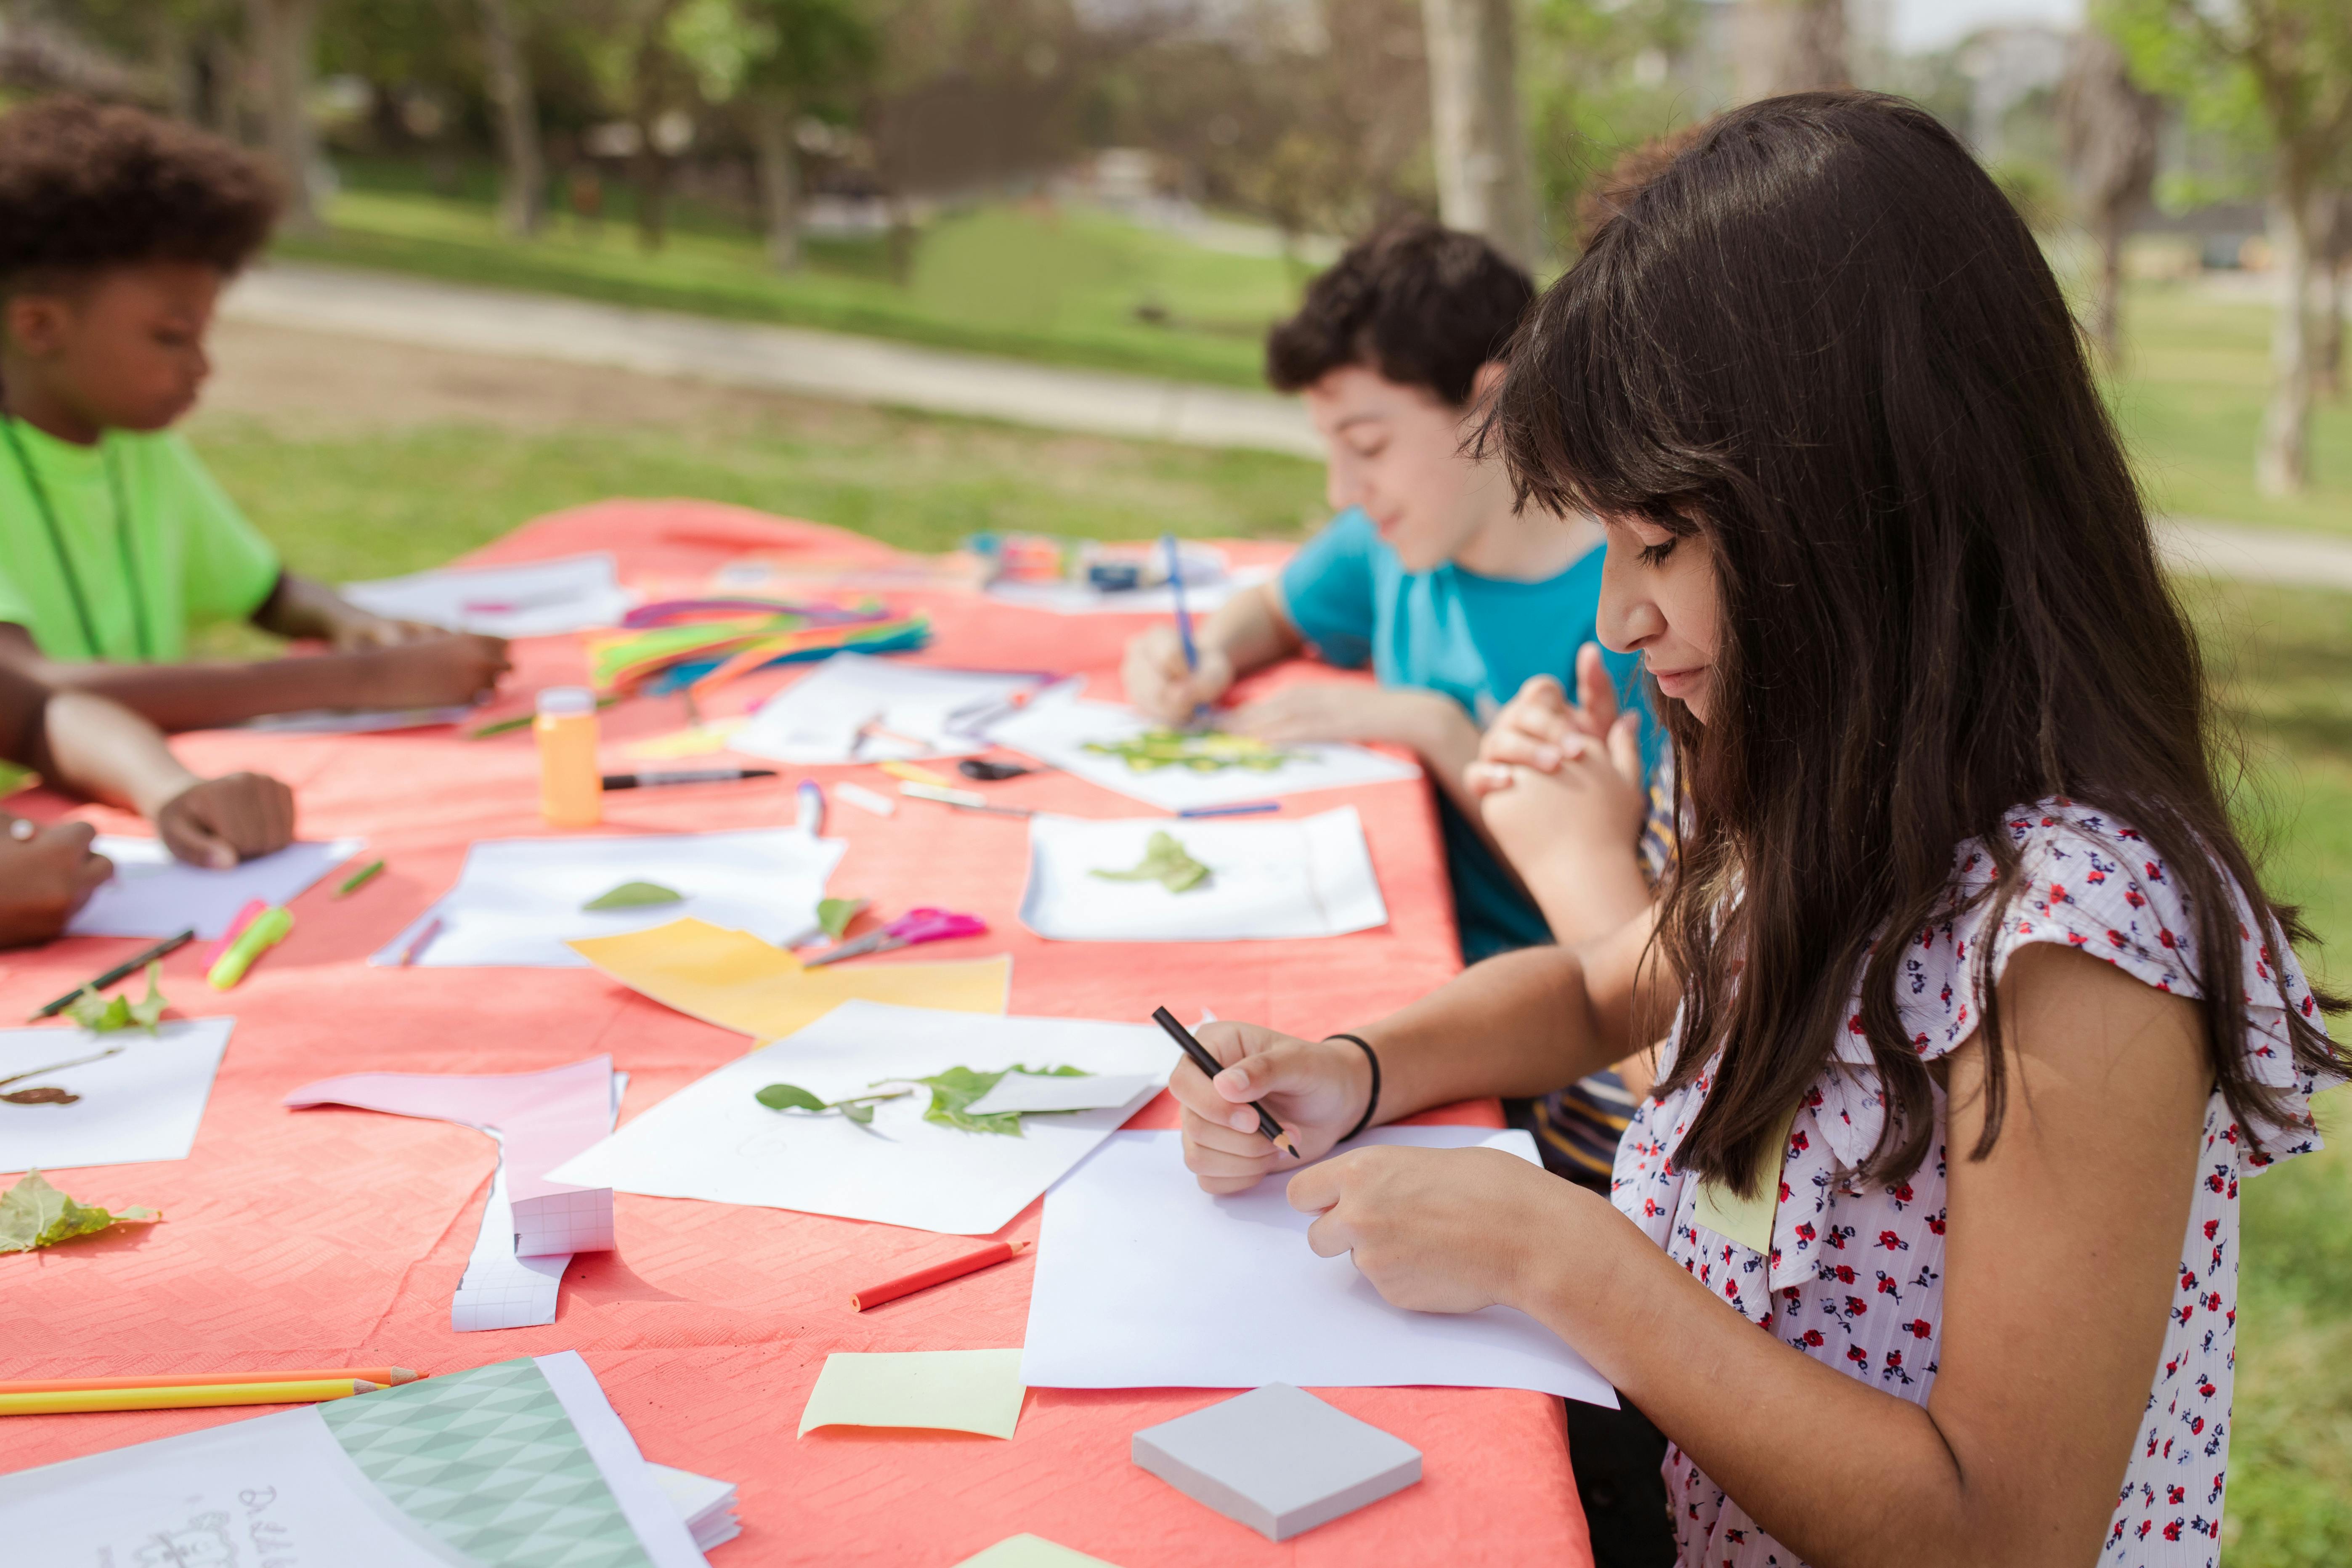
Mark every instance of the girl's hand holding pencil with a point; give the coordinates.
(1315, 1089)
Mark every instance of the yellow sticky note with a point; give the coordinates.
(734, 979)
(702, 740)
(953, 1391)
(1747, 1220)
(1030, 1551)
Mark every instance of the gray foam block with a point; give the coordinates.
(1278, 1459)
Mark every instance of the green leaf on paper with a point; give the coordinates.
(1198, 751)
(833, 915)
(633, 896)
(788, 1097)
(954, 1090)
(34, 1214)
(103, 1015)
(1165, 862)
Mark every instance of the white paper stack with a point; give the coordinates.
(707, 1506)
(533, 598)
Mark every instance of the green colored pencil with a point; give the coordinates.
(359, 879)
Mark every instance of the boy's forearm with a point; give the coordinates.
(205, 696)
(103, 751)
(1252, 630)
(299, 607)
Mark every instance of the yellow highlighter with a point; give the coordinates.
(267, 930)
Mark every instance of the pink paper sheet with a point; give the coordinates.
(541, 1119)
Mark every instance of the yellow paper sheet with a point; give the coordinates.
(953, 1391)
(734, 979)
(1030, 1551)
(1748, 1221)
(706, 741)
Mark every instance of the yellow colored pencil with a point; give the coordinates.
(378, 1374)
(66, 1401)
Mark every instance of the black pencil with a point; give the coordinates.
(1267, 1125)
(129, 966)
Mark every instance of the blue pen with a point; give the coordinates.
(1251, 808)
(810, 819)
(1183, 617)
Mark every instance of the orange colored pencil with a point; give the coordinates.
(384, 1376)
(988, 1256)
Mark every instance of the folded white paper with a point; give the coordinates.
(1043, 1091)
(1269, 877)
(1056, 726)
(713, 1140)
(533, 598)
(856, 708)
(1146, 1281)
(517, 900)
(142, 1100)
(151, 894)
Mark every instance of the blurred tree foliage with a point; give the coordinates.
(1601, 77)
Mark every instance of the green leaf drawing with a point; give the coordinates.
(34, 1214)
(834, 914)
(1165, 862)
(633, 895)
(953, 1091)
(103, 1015)
(1201, 751)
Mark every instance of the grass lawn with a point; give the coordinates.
(350, 505)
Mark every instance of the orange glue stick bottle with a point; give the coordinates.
(571, 790)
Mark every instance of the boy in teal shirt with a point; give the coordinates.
(1430, 573)
(117, 233)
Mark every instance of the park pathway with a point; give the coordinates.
(388, 308)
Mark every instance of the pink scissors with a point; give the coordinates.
(914, 926)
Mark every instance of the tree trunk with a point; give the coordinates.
(281, 33)
(522, 195)
(1788, 46)
(2335, 275)
(649, 171)
(2283, 460)
(1484, 182)
(779, 183)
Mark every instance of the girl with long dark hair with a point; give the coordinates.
(1975, 1010)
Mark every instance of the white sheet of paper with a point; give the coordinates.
(281, 1488)
(360, 721)
(531, 599)
(1055, 728)
(1269, 877)
(517, 901)
(501, 1290)
(1065, 598)
(151, 894)
(713, 1140)
(140, 1105)
(1146, 1281)
(1096, 1091)
(819, 718)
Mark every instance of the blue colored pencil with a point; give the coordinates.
(1251, 808)
(1176, 588)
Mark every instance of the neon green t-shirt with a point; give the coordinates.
(151, 546)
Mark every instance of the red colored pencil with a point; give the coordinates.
(988, 1256)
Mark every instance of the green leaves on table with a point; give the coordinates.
(1201, 751)
(103, 1015)
(1165, 862)
(955, 1090)
(34, 1214)
(793, 1097)
(634, 896)
(833, 915)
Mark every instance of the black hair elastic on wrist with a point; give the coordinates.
(1372, 1104)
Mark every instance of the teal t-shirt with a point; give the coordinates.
(1476, 640)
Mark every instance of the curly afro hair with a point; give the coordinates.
(1424, 306)
(86, 186)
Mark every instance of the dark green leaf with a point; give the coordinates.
(1166, 862)
(788, 1097)
(633, 895)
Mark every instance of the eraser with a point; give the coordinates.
(1278, 1459)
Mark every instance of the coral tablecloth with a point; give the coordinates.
(331, 1237)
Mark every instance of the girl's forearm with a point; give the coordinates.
(1521, 1024)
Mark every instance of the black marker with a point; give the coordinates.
(685, 776)
(1208, 1064)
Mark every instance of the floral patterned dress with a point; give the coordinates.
(1855, 1277)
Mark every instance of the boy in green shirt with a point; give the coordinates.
(118, 231)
